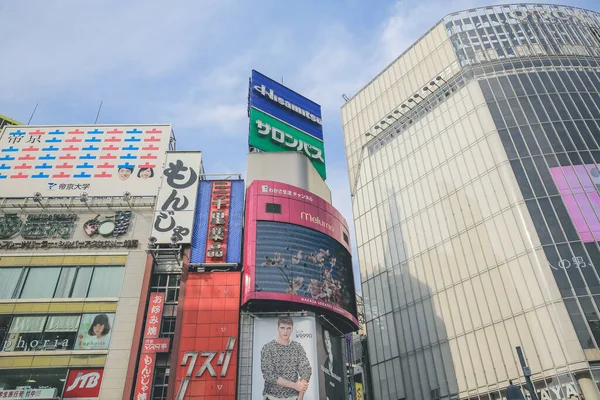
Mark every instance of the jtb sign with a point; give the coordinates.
(83, 384)
(285, 104)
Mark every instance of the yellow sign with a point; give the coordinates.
(359, 391)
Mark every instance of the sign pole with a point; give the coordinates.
(527, 374)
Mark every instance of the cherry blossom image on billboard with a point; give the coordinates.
(296, 260)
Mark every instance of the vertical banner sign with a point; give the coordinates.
(151, 346)
(155, 310)
(207, 359)
(216, 245)
(83, 384)
(359, 391)
(143, 386)
(174, 216)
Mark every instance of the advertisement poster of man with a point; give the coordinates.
(331, 365)
(94, 331)
(285, 359)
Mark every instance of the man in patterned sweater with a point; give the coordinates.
(284, 365)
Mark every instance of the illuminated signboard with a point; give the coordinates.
(271, 135)
(208, 345)
(286, 105)
(174, 216)
(83, 384)
(217, 236)
(297, 250)
(100, 160)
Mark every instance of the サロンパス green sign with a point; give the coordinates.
(271, 135)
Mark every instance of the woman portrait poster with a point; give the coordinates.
(94, 331)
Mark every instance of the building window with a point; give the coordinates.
(161, 383)
(48, 382)
(273, 208)
(60, 282)
(41, 332)
(168, 284)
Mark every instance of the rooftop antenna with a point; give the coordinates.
(345, 97)
(98, 113)
(282, 79)
(33, 112)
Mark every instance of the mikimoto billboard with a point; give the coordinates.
(283, 103)
(100, 160)
(297, 252)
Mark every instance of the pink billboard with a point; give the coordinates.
(578, 186)
(297, 249)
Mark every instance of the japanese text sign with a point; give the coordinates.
(155, 345)
(155, 310)
(174, 215)
(216, 244)
(143, 385)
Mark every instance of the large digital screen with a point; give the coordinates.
(286, 105)
(297, 250)
(298, 261)
(578, 186)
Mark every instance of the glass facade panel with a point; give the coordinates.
(472, 247)
(40, 283)
(106, 282)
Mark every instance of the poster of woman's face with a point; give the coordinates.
(331, 364)
(94, 331)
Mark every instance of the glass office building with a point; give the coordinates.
(473, 162)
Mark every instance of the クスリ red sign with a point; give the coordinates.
(83, 384)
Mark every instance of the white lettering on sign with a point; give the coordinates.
(85, 381)
(35, 344)
(316, 220)
(223, 360)
(287, 140)
(547, 15)
(273, 97)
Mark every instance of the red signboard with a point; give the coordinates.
(216, 243)
(155, 345)
(83, 384)
(143, 385)
(155, 310)
(207, 357)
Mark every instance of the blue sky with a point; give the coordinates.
(189, 65)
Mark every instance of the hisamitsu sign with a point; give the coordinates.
(277, 100)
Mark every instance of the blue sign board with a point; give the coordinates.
(234, 223)
(282, 103)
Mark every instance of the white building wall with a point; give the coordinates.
(454, 277)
